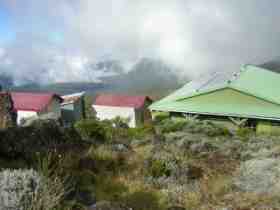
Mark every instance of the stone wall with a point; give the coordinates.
(7, 114)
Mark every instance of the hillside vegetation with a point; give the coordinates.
(174, 164)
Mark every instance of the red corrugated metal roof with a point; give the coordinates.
(32, 101)
(120, 100)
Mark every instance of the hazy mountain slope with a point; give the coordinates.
(63, 88)
(273, 65)
(147, 75)
(6, 81)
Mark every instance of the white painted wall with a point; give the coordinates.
(111, 112)
(24, 115)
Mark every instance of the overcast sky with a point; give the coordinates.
(55, 40)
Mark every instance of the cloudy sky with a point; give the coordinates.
(56, 40)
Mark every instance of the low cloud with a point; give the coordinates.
(57, 41)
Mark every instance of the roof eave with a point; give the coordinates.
(218, 114)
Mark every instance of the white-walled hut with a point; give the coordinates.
(133, 108)
(73, 108)
(35, 105)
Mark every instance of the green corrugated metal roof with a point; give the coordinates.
(252, 81)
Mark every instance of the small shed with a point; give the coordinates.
(73, 108)
(132, 108)
(34, 105)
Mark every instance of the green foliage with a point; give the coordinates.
(119, 122)
(143, 200)
(44, 136)
(244, 133)
(90, 113)
(211, 129)
(160, 116)
(108, 189)
(92, 130)
(158, 169)
(107, 161)
(208, 128)
(172, 125)
(140, 132)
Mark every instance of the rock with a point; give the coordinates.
(259, 176)
(105, 205)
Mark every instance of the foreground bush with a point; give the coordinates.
(25, 143)
(143, 200)
(93, 130)
(208, 128)
(17, 188)
(172, 125)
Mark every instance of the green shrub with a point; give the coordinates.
(119, 122)
(93, 130)
(45, 136)
(106, 188)
(158, 169)
(143, 200)
(160, 116)
(244, 133)
(140, 132)
(108, 161)
(211, 129)
(172, 125)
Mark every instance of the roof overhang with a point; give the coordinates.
(220, 114)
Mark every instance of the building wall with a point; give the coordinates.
(110, 112)
(21, 115)
(73, 112)
(54, 108)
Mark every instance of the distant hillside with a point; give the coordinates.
(148, 75)
(273, 65)
(6, 81)
(64, 88)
